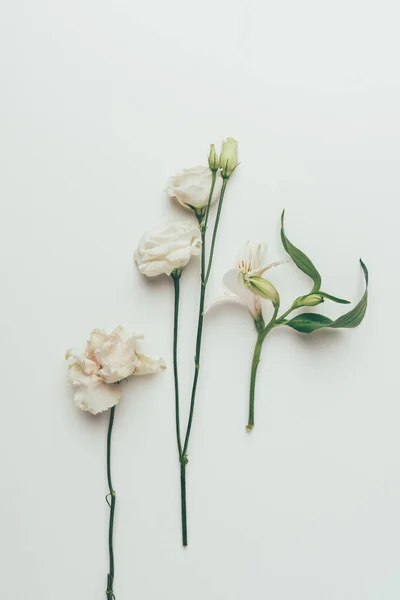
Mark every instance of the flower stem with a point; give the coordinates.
(176, 275)
(262, 334)
(204, 279)
(214, 237)
(183, 502)
(205, 273)
(111, 503)
(254, 367)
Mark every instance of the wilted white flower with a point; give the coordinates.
(228, 160)
(108, 359)
(250, 263)
(167, 246)
(191, 187)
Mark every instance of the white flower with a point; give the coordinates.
(108, 359)
(167, 246)
(191, 187)
(228, 160)
(251, 262)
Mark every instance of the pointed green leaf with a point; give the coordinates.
(300, 259)
(309, 322)
(354, 317)
(333, 298)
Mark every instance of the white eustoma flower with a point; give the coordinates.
(251, 262)
(167, 246)
(108, 359)
(191, 187)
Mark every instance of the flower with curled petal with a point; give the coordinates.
(107, 360)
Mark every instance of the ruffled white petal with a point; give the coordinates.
(117, 356)
(167, 246)
(191, 187)
(97, 397)
(148, 365)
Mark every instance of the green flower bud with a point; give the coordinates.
(213, 160)
(310, 300)
(228, 160)
(262, 288)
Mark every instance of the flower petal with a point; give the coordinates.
(148, 365)
(97, 397)
(261, 270)
(233, 280)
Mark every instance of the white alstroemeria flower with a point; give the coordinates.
(251, 262)
(191, 187)
(167, 246)
(108, 359)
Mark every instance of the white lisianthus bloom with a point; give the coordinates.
(191, 187)
(167, 247)
(251, 262)
(108, 359)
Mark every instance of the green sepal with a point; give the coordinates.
(309, 322)
(300, 259)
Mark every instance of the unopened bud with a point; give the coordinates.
(228, 160)
(310, 300)
(213, 159)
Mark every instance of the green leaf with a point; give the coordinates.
(333, 298)
(354, 317)
(300, 259)
(309, 322)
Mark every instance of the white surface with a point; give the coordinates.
(100, 103)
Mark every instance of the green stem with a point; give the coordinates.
(183, 502)
(285, 314)
(176, 275)
(204, 278)
(110, 576)
(254, 365)
(214, 237)
(213, 179)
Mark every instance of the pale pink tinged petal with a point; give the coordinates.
(97, 339)
(148, 365)
(97, 397)
(77, 377)
(112, 374)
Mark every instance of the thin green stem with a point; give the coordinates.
(176, 275)
(183, 502)
(214, 236)
(205, 273)
(285, 314)
(254, 365)
(213, 179)
(112, 495)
